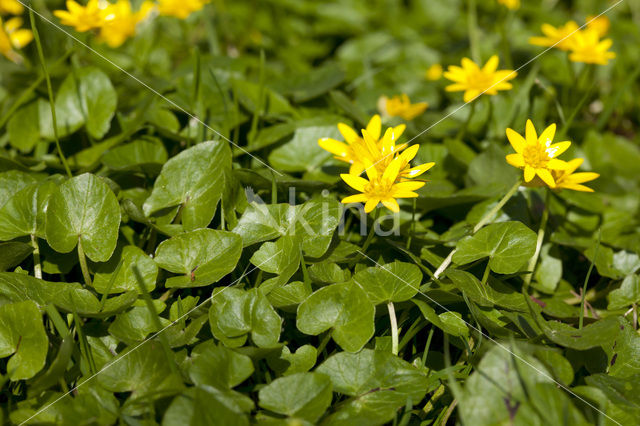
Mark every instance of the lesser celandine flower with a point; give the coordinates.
(119, 22)
(475, 81)
(401, 106)
(13, 37)
(356, 149)
(510, 4)
(10, 7)
(180, 8)
(537, 155)
(557, 37)
(434, 72)
(599, 24)
(568, 179)
(381, 188)
(587, 47)
(82, 18)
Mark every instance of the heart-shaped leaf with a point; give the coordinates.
(345, 309)
(302, 395)
(84, 210)
(202, 257)
(118, 275)
(22, 335)
(193, 180)
(393, 282)
(508, 245)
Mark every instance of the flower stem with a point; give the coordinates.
(586, 280)
(37, 268)
(367, 242)
(394, 328)
(541, 231)
(413, 224)
(52, 104)
(83, 264)
(485, 219)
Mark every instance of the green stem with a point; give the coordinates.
(367, 242)
(426, 346)
(52, 104)
(37, 267)
(541, 231)
(472, 26)
(586, 280)
(83, 264)
(394, 328)
(485, 275)
(413, 224)
(485, 219)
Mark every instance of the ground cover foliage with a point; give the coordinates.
(174, 250)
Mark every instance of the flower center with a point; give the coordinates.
(535, 156)
(480, 80)
(378, 188)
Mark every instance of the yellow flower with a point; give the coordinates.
(559, 38)
(401, 106)
(82, 18)
(587, 47)
(510, 4)
(357, 149)
(119, 22)
(12, 36)
(476, 81)
(599, 24)
(434, 72)
(180, 8)
(537, 155)
(406, 171)
(381, 188)
(567, 179)
(10, 7)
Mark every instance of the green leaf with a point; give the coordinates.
(302, 395)
(11, 182)
(262, 222)
(24, 213)
(142, 370)
(234, 314)
(84, 210)
(202, 257)
(345, 309)
(378, 383)
(393, 282)
(627, 294)
(207, 406)
(492, 293)
(193, 180)
(281, 258)
(12, 253)
(508, 245)
(288, 363)
(449, 322)
(99, 100)
(117, 275)
(219, 367)
(302, 153)
(24, 127)
(143, 155)
(22, 335)
(315, 224)
(136, 324)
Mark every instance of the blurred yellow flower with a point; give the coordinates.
(587, 47)
(12, 36)
(510, 4)
(599, 24)
(180, 8)
(10, 7)
(567, 179)
(82, 18)
(557, 37)
(475, 81)
(356, 149)
(381, 187)
(537, 155)
(434, 72)
(119, 22)
(401, 106)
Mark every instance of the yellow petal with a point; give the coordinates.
(391, 204)
(516, 140)
(529, 173)
(530, 132)
(410, 153)
(546, 177)
(391, 172)
(418, 170)
(358, 198)
(516, 160)
(333, 146)
(371, 204)
(406, 186)
(375, 127)
(547, 135)
(558, 148)
(356, 182)
(492, 65)
(348, 133)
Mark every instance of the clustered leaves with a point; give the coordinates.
(206, 260)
